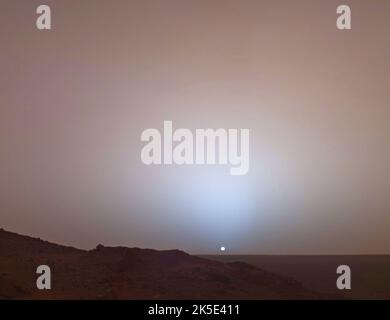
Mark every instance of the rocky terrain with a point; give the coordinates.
(132, 273)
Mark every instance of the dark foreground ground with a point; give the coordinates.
(133, 273)
(370, 273)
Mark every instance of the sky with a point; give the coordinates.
(74, 101)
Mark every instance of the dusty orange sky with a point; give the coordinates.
(74, 101)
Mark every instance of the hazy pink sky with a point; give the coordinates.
(75, 100)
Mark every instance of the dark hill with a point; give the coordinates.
(132, 273)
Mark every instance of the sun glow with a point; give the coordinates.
(222, 206)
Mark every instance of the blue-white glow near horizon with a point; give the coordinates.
(222, 207)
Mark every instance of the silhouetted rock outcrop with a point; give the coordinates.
(127, 273)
